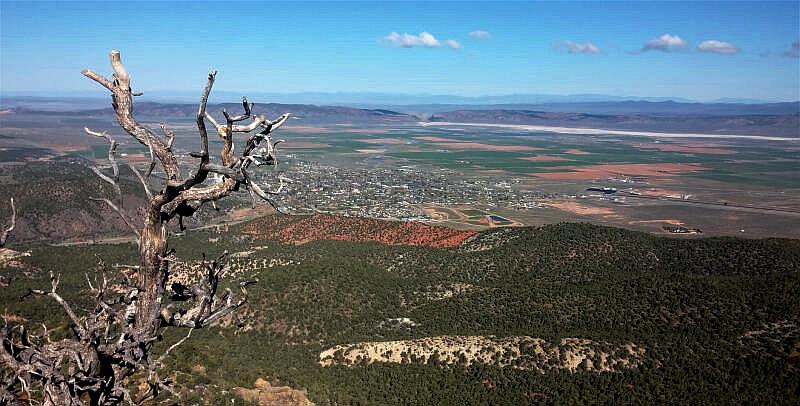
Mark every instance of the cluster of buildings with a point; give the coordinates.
(395, 192)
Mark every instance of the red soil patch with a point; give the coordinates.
(302, 144)
(304, 229)
(691, 149)
(574, 151)
(610, 170)
(393, 141)
(484, 147)
(544, 158)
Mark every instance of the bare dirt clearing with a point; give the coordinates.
(574, 151)
(581, 209)
(611, 170)
(687, 148)
(521, 352)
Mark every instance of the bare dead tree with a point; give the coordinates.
(7, 231)
(114, 341)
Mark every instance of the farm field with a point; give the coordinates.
(724, 186)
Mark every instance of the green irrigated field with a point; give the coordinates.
(743, 162)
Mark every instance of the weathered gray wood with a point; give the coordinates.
(13, 223)
(114, 341)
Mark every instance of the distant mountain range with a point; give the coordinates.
(374, 98)
(617, 108)
(423, 104)
(306, 113)
(777, 119)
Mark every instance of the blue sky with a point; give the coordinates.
(531, 47)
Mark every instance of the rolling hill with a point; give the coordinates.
(565, 313)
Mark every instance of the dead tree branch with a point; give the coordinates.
(114, 340)
(7, 231)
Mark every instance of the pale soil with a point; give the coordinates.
(521, 352)
(10, 258)
(601, 131)
(574, 151)
(611, 170)
(690, 148)
(456, 215)
(238, 265)
(371, 151)
(265, 394)
(580, 209)
(660, 193)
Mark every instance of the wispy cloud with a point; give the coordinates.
(453, 44)
(479, 34)
(719, 47)
(665, 43)
(423, 40)
(794, 51)
(578, 47)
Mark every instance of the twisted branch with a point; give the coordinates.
(7, 231)
(113, 340)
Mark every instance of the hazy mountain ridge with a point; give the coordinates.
(787, 125)
(618, 107)
(306, 112)
(776, 119)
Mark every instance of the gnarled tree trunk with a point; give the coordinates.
(114, 342)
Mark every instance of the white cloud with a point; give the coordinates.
(794, 51)
(479, 34)
(579, 48)
(719, 47)
(453, 44)
(423, 40)
(664, 43)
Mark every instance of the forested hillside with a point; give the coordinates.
(573, 313)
